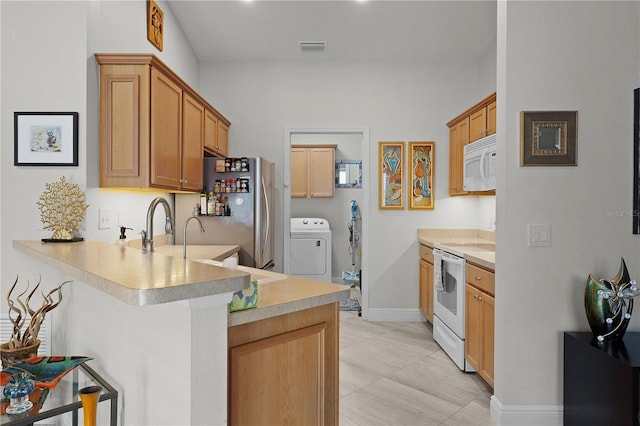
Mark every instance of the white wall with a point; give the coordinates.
(37, 75)
(396, 101)
(560, 56)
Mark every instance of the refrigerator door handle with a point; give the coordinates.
(266, 236)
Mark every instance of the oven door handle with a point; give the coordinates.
(453, 259)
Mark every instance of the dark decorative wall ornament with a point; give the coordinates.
(609, 304)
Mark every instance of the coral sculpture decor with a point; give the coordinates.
(62, 208)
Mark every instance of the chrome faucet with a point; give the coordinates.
(147, 236)
(184, 236)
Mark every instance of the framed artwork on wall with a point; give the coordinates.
(421, 163)
(155, 24)
(45, 139)
(548, 138)
(390, 171)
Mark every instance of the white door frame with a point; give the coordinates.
(364, 208)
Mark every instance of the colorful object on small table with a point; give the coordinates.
(18, 390)
(46, 371)
(245, 299)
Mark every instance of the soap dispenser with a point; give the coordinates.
(122, 241)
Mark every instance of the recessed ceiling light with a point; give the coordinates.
(313, 46)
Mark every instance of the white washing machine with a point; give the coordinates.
(310, 248)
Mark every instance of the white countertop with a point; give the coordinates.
(141, 278)
(474, 245)
(134, 276)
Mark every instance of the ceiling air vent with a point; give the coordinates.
(313, 46)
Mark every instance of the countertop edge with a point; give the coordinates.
(257, 314)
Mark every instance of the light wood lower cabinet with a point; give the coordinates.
(479, 321)
(284, 370)
(425, 275)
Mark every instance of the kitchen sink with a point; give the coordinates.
(260, 275)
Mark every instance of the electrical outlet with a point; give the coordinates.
(105, 218)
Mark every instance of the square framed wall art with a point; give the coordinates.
(548, 138)
(391, 178)
(421, 163)
(45, 139)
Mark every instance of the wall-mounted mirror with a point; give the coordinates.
(348, 174)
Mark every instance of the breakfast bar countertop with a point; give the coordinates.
(134, 276)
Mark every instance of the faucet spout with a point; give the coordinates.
(147, 236)
(184, 239)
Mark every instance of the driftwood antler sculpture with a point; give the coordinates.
(20, 311)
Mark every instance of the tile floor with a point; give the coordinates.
(393, 373)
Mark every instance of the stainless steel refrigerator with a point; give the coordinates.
(250, 223)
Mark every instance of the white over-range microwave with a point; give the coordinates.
(480, 164)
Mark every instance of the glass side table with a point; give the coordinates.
(64, 400)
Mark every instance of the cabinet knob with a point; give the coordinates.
(477, 278)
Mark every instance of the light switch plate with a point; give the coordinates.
(539, 235)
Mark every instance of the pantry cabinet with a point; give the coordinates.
(473, 124)
(312, 171)
(479, 320)
(425, 275)
(153, 126)
(284, 370)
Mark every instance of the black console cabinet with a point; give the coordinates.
(601, 381)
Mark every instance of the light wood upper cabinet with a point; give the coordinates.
(312, 171)
(166, 131)
(480, 320)
(153, 126)
(491, 118)
(210, 132)
(223, 138)
(458, 138)
(216, 134)
(473, 124)
(192, 144)
(478, 125)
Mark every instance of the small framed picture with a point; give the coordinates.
(45, 139)
(548, 138)
(422, 162)
(391, 165)
(155, 24)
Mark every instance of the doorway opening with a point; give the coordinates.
(349, 136)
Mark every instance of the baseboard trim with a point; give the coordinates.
(390, 314)
(526, 415)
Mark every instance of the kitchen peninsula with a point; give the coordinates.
(157, 325)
